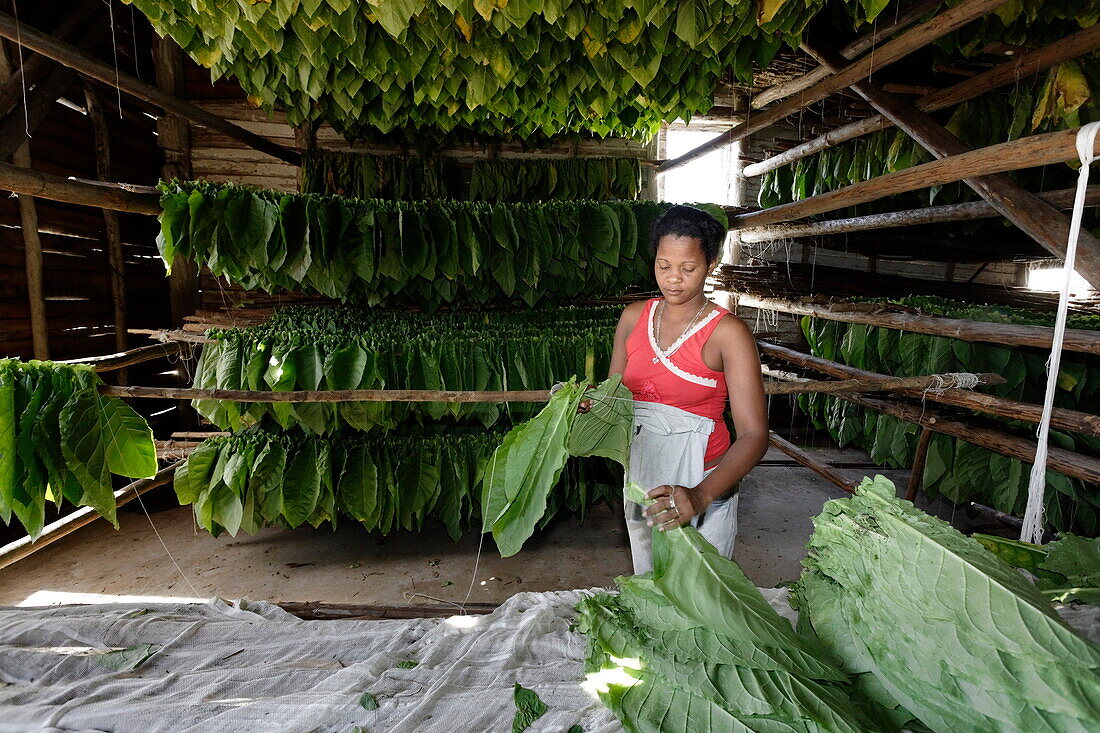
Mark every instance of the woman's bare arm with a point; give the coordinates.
(627, 321)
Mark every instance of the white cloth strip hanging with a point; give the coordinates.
(1032, 530)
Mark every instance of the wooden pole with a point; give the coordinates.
(916, 473)
(1062, 418)
(809, 462)
(912, 40)
(116, 264)
(32, 242)
(1009, 72)
(23, 180)
(911, 217)
(67, 55)
(1028, 152)
(350, 395)
(1038, 219)
(111, 362)
(1063, 461)
(15, 551)
(876, 383)
(869, 40)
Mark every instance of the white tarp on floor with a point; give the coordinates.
(254, 667)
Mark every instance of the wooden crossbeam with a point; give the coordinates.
(1010, 72)
(970, 211)
(67, 55)
(56, 188)
(1038, 219)
(910, 41)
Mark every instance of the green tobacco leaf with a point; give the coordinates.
(1077, 559)
(408, 664)
(129, 448)
(368, 701)
(193, 477)
(125, 660)
(301, 486)
(83, 443)
(529, 708)
(606, 428)
(7, 440)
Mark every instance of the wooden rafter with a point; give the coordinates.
(1010, 72)
(67, 55)
(970, 211)
(867, 41)
(910, 41)
(1041, 221)
(134, 199)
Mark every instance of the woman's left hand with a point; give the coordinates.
(675, 506)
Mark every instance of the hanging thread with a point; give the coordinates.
(1032, 530)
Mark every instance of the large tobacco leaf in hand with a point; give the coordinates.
(605, 429)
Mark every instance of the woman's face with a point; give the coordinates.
(681, 268)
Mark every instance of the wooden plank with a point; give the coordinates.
(351, 395)
(73, 58)
(910, 41)
(1038, 219)
(1010, 72)
(1027, 152)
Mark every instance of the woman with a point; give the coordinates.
(684, 359)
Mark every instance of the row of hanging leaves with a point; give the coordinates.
(517, 68)
(60, 440)
(420, 178)
(429, 254)
(1063, 98)
(954, 468)
(265, 476)
(339, 348)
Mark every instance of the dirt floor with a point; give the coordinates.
(97, 563)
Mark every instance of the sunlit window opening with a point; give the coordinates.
(709, 179)
(1050, 278)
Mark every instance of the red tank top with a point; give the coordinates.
(682, 380)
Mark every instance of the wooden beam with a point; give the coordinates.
(111, 362)
(1009, 72)
(1062, 461)
(810, 462)
(1027, 152)
(116, 266)
(875, 383)
(20, 124)
(35, 67)
(325, 611)
(1038, 219)
(21, 180)
(1062, 418)
(904, 19)
(32, 244)
(912, 40)
(331, 395)
(970, 211)
(15, 551)
(67, 55)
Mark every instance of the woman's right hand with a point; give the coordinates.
(584, 406)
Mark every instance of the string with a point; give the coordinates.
(22, 76)
(114, 50)
(167, 551)
(1032, 530)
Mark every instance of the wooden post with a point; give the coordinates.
(32, 243)
(116, 264)
(1009, 72)
(911, 217)
(916, 473)
(912, 40)
(73, 58)
(905, 18)
(305, 137)
(1041, 221)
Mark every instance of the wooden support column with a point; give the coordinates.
(916, 473)
(174, 138)
(32, 244)
(115, 259)
(1038, 219)
(912, 40)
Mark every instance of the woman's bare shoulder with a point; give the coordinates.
(631, 313)
(732, 331)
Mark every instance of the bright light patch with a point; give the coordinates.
(1050, 278)
(59, 598)
(600, 682)
(709, 179)
(463, 622)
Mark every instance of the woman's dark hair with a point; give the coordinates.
(688, 221)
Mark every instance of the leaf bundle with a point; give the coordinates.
(501, 69)
(394, 177)
(933, 620)
(339, 348)
(693, 647)
(561, 179)
(261, 476)
(427, 254)
(61, 440)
